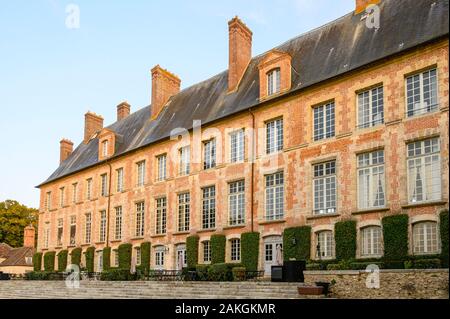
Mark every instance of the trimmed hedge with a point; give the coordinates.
(124, 251)
(395, 235)
(202, 272)
(62, 260)
(43, 275)
(145, 257)
(75, 256)
(238, 273)
(192, 251)
(89, 256)
(345, 239)
(49, 261)
(443, 216)
(297, 243)
(222, 271)
(106, 256)
(250, 250)
(37, 261)
(426, 263)
(117, 274)
(218, 243)
(358, 265)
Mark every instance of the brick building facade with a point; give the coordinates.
(343, 122)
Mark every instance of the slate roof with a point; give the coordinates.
(4, 250)
(17, 257)
(334, 49)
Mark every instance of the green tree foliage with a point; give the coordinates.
(395, 235)
(37, 262)
(145, 256)
(218, 248)
(250, 250)
(106, 258)
(192, 250)
(14, 217)
(89, 255)
(345, 238)
(297, 243)
(125, 256)
(75, 256)
(62, 260)
(444, 237)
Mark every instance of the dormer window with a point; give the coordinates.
(273, 81)
(106, 144)
(105, 148)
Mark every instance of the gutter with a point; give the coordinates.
(109, 203)
(253, 168)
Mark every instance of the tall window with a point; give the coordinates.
(161, 215)
(325, 188)
(371, 241)
(209, 207)
(236, 202)
(89, 188)
(138, 255)
(162, 169)
(275, 196)
(48, 200)
(118, 223)
(324, 121)
(184, 202)
(422, 93)
(60, 232)
(116, 257)
(185, 160)
(74, 192)
(102, 231)
(273, 82)
(159, 257)
(235, 249)
(140, 173)
(237, 146)
(104, 185)
(209, 148)
(73, 230)
(371, 180)
(119, 180)
(425, 238)
(274, 136)
(140, 211)
(424, 170)
(87, 228)
(46, 235)
(370, 108)
(324, 247)
(206, 251)
(105, 148)
(61, 197)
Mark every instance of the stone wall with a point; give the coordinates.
(411, 283)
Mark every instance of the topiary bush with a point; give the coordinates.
(49, 261)
(37, 262)
(192, 251)
(75, 256)
(238, 273)
(62, 260)
(124, 251)
(218, 243)
(297, 243)
(106, 256)
(145, 257)
(222, 271)
(313, 266)
(89, 256)
(426, 263)
(345, 239)
(395, 235)
(117, 274)
(250, 250)
(443, 216)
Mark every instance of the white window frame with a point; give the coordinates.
(420, 108)
(118, 222)
(206, 250)
(87, 228)
(161, 216)
(140, 220)
(425, 242)
(140, 166)
(371, 241)
(237, 146)
(185, 160)
(48, 200)
(209, 207)
(60, 232)
(184, 210)
(159, 257)
(324, 121)
(235, 249)
(73, 230)
(209, 154)
(429, 154)
(274, 135)
(274, 196)
(325, 239)
(162, 167)
(273, 81)
(326, 179)
(104, 185)
(105, 145)
(371, 170)
(119, 180)
(74, 193)
(369, 101)
(236, 203)
(46, 235)
(61, 196)
(102, 227)
(89, 188)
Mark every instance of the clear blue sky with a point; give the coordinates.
(51, 75)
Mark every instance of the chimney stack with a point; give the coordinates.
(240, 51)
(92, 124)
(164, 86)
(123, 110)
(361, 5)
(29, 236)
(65, 149)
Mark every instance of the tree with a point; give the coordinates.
(14, 217)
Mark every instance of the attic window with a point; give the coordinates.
(105, 148)
(273, 81)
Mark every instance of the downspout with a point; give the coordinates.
(109, 203)
(252, 168)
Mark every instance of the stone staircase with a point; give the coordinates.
(148, 290)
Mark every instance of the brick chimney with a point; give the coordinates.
(65, 149)
(164, 86)
(240, 51)
(92, 124)
(29, 236)
(123, 110)
(361, 5)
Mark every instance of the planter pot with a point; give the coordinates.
(310, 290)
